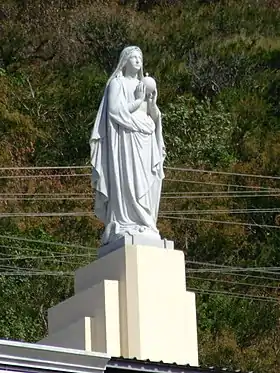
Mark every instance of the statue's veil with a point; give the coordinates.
(98, 140)
(98, 130)
(122, 62)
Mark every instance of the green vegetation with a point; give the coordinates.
(217, 67)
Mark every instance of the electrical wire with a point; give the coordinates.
(220, 192)
(28, 272)
(45, 194)
(257, 188)
(199, 291)
(221, 270)
(31, 273)
(163, 193)
(232, 282)
(166, 213)
(42, 176)
(13, 268)
(209, 264)
(205, 195)
(74, 254)
(233, 211)
(43, 168)
(166, 216)
(220, 222)
(231, 274)
(211, 172)
(29, 196)
(221, 184)
(45, 214)
(222, 173)
(235, 295)
(48, 199)
(202, 195)
(61, 244)
(44, 257)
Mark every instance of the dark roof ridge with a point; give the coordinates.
(134, 364)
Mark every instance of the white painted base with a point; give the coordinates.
(137, 299)
(137, 240)
(76, 336)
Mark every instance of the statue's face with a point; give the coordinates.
(134, 61)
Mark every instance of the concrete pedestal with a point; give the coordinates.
(131, 302)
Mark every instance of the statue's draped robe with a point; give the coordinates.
(127, 154)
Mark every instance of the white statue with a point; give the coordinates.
(127, 152)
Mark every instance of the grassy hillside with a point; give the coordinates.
(217, 68)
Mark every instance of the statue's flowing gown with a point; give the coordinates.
(127, 154)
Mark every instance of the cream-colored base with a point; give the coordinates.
(133, 303)
(76, 336)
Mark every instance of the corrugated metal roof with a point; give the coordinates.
(147, 366)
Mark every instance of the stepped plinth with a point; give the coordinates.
(130, 302)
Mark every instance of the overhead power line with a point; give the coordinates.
(61, 244)
(205, 195)
(162, 216)
(210, 264)
(33, 249)
(234, 274)
(186, 181)
(56, 198)
(222, 173)
(28, 272)
(232, 282)
(61, 256)
(45, 194)
(220, 192)
(45, 214)
(167, 213)
(235, 269)
(34, 273)
(42, 176)
(44, 168)
(232, 211)
(228, 185)
(166, 167)
(175, 193)
(234, 295)
(219, 221)
(229, 271)
(186, 195)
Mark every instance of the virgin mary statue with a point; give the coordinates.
(127, 153)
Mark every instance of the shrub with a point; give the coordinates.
(198, 132)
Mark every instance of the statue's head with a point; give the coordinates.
(134, 61)
(128, 53)
(130, 57)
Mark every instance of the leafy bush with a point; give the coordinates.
(198, 132)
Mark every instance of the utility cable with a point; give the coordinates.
(231, 274)
(221, 184)
(61, 244)
(220, 222)
(20, 248)
(222, 173)
(166, 167)
(209, 264)
(235, 295)
(233, 211)
(42, 176)
(232, 282)
(204, 195)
